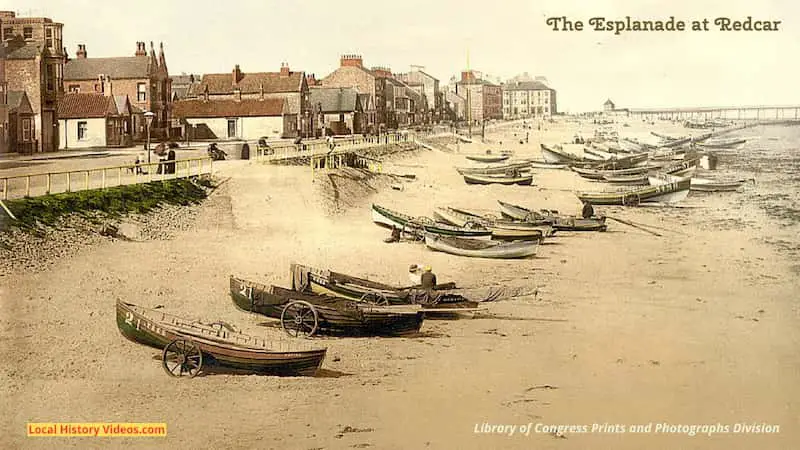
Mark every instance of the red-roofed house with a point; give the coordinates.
(284, 85)
(94, 120)
(244, 118)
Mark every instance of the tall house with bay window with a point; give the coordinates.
(34, 64)
(143, 78)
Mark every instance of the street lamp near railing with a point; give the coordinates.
(148, 119)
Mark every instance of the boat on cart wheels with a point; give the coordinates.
(437, 301)
(418, 225)
(557, 221)
(188, 346)
(303, 314)
(481, 249)
(663, 193)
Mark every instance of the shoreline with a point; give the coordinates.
(696, 327)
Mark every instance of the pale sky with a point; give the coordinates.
(503, 38)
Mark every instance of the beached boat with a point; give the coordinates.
(546, 165)
(522, 166)
(722, 143)
(596, 174)
(186, 344)
(501, 229)
(393, 219)
(681, 169)
(508, 180)
(488, 158)
(707, 185)
(553, 155)
(558, 222)
(323, 281)
(481, 249)
(664, 193)
(306, 313)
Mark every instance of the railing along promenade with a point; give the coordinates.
(38, 184)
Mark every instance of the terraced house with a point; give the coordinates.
(143, 78)
(237, 85)
(34, 64)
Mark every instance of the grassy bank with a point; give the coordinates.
(114, 202)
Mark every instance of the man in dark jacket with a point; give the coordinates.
(428, 279)
(588, 210)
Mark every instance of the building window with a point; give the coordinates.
(82, 129)
(50, 78)
(141, 92)
(8, 33)
(74, 88)
(231, 128)
(48, 37)
(27, 130)
(27, 33)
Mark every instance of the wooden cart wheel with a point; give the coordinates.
(182, 358)
(375, 298)
(299, 319)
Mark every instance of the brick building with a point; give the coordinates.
(4, 124)
(528, 99)
(143, 78)
(427, 85)
(94, 120)
(376, 83)
(21, 130)
(484, 99)
(284, 84)
(34, 63)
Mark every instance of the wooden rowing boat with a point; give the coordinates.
(392, 219)
(558, 222)
(522, 166)
(707, 185)
(546, 165)
(501, 229)
(520, 180)
(481, 249)
(323, 281)
(664, 193)
(488, 158)
(555, 156)
(311, 312)
(226, 347)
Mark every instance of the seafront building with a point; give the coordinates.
(528, 99)
(484, 99)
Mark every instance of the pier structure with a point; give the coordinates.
(761, 113)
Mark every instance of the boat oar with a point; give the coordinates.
(634, 226)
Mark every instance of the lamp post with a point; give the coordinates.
(148, 119)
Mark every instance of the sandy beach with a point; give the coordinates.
(696, 327)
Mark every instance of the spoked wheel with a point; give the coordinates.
(182, 358)
(375, 298)
(299, 319)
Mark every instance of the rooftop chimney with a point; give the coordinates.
(467, 76)
(108, 89)
(311, 79)
(284, 70)
(351, 61)
(237, 75)
(140, 50)
(383, 72)
(81, 53)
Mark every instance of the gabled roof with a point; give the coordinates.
(250, 83)
(199, 108)
(86, 106)
(526, 86)
(608, 102)
(365, 100)
(19, 103)
(334, 99)
(123, 104)
(125, 67)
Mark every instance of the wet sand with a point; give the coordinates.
(699, 326)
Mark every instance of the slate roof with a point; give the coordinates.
(334, 99)
(250, 83)
(199, 108)
(18, 102)
(86, 106)
(24, 52)
(124, 67)
(526, 86)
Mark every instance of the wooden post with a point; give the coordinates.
(69, 182)
(5, 188)
(28, 186)
(119, 175)
(103, 179)
(49, 183)
(86, 184)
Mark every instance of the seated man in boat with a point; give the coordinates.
(588, 210)
(428, 279)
